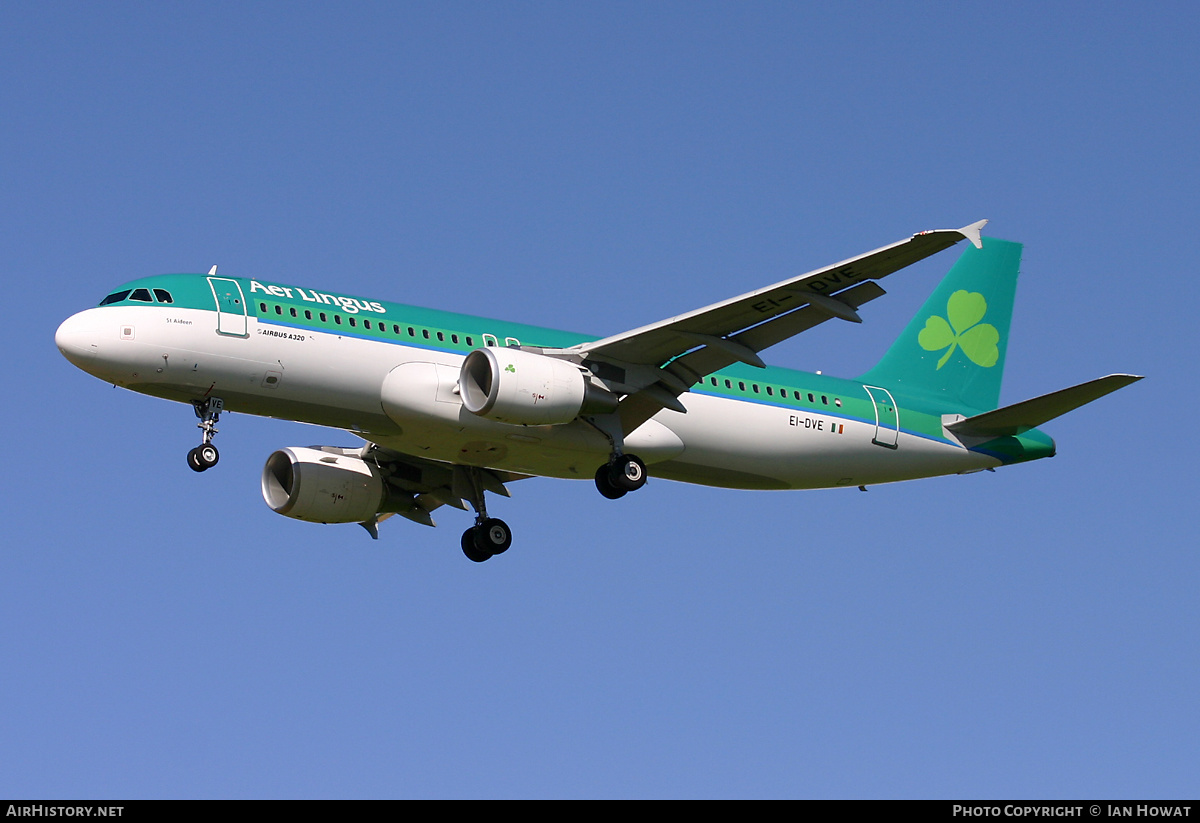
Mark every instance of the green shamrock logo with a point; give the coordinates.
(510, 368)
(977, 340)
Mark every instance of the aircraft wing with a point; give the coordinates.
(654, 364)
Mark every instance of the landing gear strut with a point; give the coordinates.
(205, 456)
(490, 535)
(622, 474)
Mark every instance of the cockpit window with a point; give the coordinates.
(115, 297)
(141, 295)
(163, 296)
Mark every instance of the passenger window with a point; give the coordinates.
(769, 392)
(425, 333)
(262, 307)
(141, 295)
(278, 309)
(825, 400)
(728, 385)
(323, 320)
(163, 296)
(366, 324)
(353, 322)
(741, 385)
(441, 337)
(469, 343)
(115, 297)
(755, 387)
(337, 318)
(293, 311)
(307, 314)
(454, 338)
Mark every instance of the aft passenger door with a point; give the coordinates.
(231, 306)
(887, 417)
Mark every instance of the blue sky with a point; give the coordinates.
(1031, 632)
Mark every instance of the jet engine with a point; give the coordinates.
(323, 485)
(514, 386)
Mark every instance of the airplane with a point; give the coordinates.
(451, 407)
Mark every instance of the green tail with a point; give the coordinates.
(952, 353)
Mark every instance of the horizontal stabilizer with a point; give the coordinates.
(1021, 417)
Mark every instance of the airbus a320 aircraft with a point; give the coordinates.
(452, 407)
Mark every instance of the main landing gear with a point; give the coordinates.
(205, 456)
(490, 535)
(622, 474)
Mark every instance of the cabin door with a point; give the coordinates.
(887, 417)
(231, 306)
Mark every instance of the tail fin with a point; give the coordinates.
(953, 350)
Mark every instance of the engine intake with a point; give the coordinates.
(514, 386)
(323, 485)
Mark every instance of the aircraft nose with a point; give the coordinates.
(77, 339)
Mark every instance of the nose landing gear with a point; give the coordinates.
(205, 456)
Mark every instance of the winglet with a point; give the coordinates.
(972, 233)
(212, 271)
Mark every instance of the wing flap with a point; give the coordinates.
(686, 371)
(418, 485)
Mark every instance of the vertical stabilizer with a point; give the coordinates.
(953, 350)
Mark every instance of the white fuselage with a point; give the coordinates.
(405, 398)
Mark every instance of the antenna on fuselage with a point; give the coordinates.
(212, 271)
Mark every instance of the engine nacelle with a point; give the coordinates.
(514, 386)
(334, 486)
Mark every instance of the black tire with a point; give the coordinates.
(604, 484)
(493, 536)
(471, 550)
(193, 461)
(207, 455)
(628, 473)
